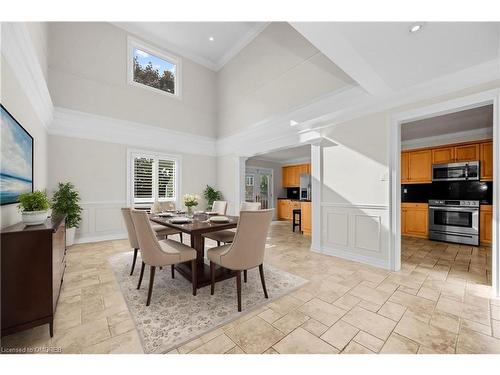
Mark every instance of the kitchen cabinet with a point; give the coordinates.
(415, 219)
(486, 161)
(286, 207)
(467, 152)
(419, 167)
(291, 174)
(485, 224)
(443, 155)
(404, 167)
(305, 208)
(416, 165)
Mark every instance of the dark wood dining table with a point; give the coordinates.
(196, 228)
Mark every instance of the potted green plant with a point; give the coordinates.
(211, 195)
(65, 201)
(34, 207)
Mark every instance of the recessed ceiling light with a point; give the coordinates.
(211, 38)
(416, 27)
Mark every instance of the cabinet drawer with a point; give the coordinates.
(415, 205)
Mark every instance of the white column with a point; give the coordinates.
(316, 188)
(239, 178)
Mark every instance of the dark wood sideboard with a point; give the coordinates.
(33, 262)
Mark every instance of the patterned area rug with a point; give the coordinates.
(175, 316)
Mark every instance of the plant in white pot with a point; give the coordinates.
(34, 207)
(65, 201)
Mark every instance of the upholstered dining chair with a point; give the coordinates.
(162, 206)
(220, 207)
(226, 236)
(246, 251)
(160, 230)
(157, 253)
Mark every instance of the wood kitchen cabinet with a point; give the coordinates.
(415, 219)
(291, 174)
(416, 165)
(443, 155)
(486, 161)
(286, 207)
(419, 167)
(486, 224)
(305, 208)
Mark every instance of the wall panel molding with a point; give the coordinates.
(101, 221)
(357, 232)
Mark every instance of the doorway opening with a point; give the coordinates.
(444, 190)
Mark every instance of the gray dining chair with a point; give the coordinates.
(160, 230)
(246, 251)
(157, 253)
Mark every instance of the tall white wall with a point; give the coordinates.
(277, 71)
(99, 172)
(17, 102)
(88, 73)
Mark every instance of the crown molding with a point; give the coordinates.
(242, 43)
(18, 50)
(75, 124)
(344, 105)
(215, 66)
(443, 139)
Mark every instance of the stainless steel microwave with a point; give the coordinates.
(464, 171)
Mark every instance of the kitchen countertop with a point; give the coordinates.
(297, 200)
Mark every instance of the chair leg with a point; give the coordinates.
(180, 236)
(172, 269)
(194, 270)
(140, 276)
(245, 275)
(212, 278)
(218, 243)
(262, 280)
(238, 288)
(133, 261)
(151, 282)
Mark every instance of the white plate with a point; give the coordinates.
(166, 214)
(219, 219)
(180, 220)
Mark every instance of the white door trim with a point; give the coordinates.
(467, 102)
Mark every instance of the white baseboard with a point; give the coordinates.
(376, 262)
(100, 238)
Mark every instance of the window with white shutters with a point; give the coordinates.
(154, 177)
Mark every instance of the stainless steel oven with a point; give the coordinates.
(454, 221)
(466, 171)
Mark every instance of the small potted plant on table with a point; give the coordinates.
(34, 207)
(65, 201)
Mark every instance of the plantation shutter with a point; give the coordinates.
(143, 179)
(166, 179)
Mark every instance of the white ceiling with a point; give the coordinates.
(289, 155)
(191, 39)
(462, 121)
(384, 56)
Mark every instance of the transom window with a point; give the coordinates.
(152, 177)
(153, 69)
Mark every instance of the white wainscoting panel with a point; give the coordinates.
(356, 232)
(101, 221)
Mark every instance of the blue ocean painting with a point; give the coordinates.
(16, 164)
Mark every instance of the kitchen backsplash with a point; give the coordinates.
(465, 190)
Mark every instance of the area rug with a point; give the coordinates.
(175, 316)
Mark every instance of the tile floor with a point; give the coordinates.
(438, 303)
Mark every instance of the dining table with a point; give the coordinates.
(197, 226)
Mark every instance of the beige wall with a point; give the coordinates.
(99, 172)
(88, 73)
(276, 72)
(16, 102)
(38, 32)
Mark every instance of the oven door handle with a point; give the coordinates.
(442, 208)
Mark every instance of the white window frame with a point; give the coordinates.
(133, 153)
(136, 43)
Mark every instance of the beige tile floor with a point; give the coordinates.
(438, 303)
